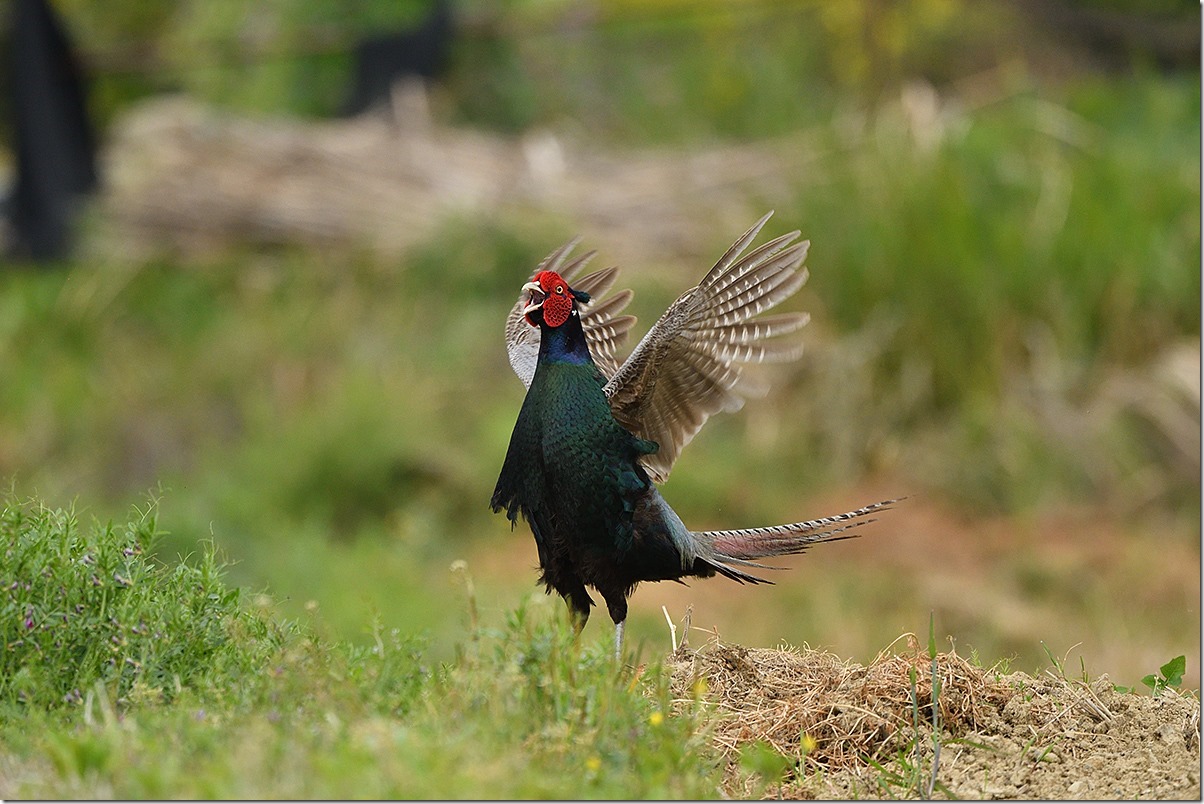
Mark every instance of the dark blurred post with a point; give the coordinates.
(54, 142)
(382, 60)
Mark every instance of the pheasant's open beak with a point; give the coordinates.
(535, 298)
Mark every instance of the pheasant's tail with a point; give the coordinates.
(736, 549)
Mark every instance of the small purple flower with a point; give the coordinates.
(28, 623)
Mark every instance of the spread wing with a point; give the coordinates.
(605, 329)
(688, 366)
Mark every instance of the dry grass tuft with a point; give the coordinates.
(850, 711)
(1004, 734)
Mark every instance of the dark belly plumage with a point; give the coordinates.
(573, 473)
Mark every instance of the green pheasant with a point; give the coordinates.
(594, 437)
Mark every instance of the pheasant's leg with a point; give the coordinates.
(616, 604)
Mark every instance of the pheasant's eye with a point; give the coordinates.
(559, 289)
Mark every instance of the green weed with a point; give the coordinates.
(83, 608)
(766, 766)
(1170, 675)
(914, 768)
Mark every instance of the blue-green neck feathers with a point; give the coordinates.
(565, 343)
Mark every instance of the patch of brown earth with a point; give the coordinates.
(848, 731)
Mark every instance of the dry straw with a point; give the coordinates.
(845, 712)
(854, 730)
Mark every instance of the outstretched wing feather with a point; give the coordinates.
(690, 364)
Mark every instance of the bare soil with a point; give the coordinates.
(849, 731)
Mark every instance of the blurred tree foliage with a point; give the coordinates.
(272, 56)
(660, 70)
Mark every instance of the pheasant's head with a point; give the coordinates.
(550, 300)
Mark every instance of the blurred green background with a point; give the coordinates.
(1003, 201)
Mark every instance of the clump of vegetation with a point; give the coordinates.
(81, 606)
(185, 688)
(802, 723)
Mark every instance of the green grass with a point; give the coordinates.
(1003, 278)
(221, 703)
(87, 608)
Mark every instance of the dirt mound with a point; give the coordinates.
(850, 731)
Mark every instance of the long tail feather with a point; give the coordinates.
(734, 549)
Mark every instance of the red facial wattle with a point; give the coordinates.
(556, 302)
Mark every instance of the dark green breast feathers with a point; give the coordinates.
(571, 470)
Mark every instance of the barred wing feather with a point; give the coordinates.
(689, 365)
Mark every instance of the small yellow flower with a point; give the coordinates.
(808, 743)
(593, 764)
(656, 718)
